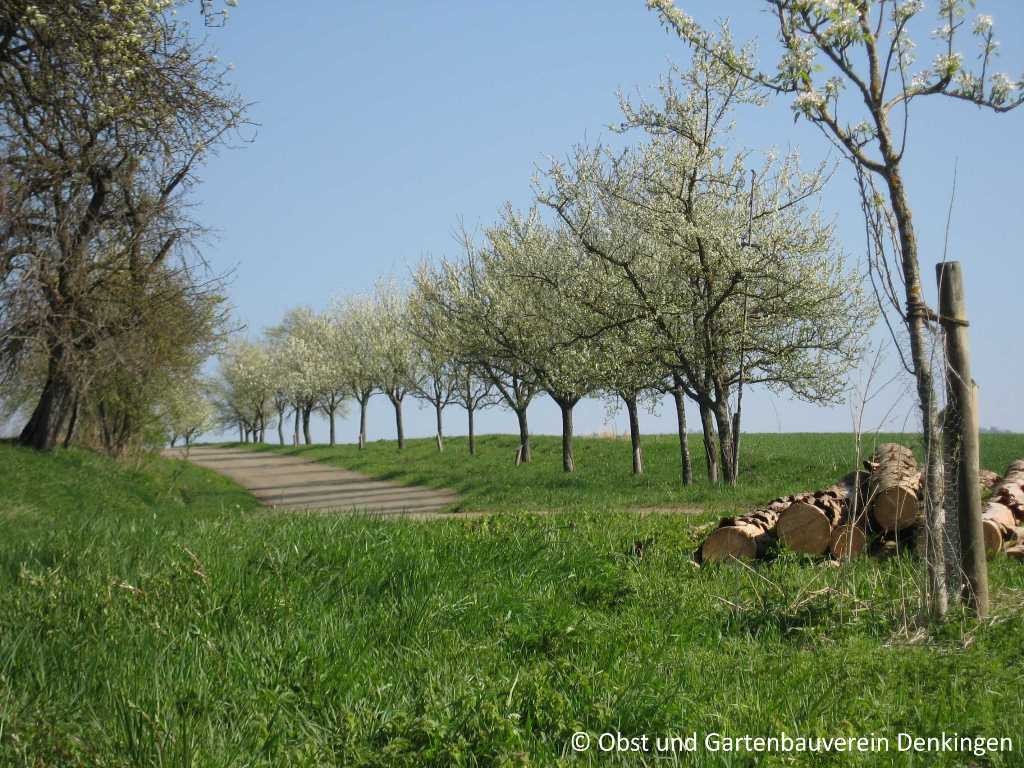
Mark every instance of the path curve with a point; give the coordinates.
(291, 482)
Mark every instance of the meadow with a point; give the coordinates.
(152, 614)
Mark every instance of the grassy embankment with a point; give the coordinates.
(152, 615)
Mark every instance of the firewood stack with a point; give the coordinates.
(746, 537)
(874, 509)
(1003, 518)
(810, 522)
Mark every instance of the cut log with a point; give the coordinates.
(998, 524)
(848, 541)
(745, 537)
(893, 487)
(808, 523)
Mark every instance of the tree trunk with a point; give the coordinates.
(399, 429)
(332, 438)
(306, 413)
(936, 597)
(568, 464)
(710, 442)
(280, 426)
(362, 422)
(634, 435)
(523, 455)
(684, 447)
(70, 434)
(241, 433)
(440, 431)
(472, 431)
(295, 428)
(46, 423)
(725, 441)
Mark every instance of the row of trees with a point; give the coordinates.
(107, 110)
(667, 268)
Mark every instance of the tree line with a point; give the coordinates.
(682, 265)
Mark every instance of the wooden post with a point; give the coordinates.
(960, 389)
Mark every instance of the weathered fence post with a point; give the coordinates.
(963, 404)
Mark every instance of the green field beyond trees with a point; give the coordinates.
(153, 614)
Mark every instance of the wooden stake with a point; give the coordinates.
(960, 388)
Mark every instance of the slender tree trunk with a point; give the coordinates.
(684, 448)
(280, 426)
(241, 433)
(568, 462)
(399, 429)
(331, 418)
(295, 428)
(524, 455)
(634, 435)
(307, 411)
(174, 439)
(362, 422)
(472, 432)
(46, 423)
(440, 432)
(936, 596)
(724, 424)
(707, 424)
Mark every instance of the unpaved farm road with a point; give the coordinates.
(290, 482)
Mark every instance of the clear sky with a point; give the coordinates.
(381, 124)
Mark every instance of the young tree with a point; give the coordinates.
(186, 412)
(299, 339)
(473, 391)
(354, 317)
(245, 385)
(446, 359)
(527, 267)
(458, 294)
(397, 364)
(850, 68)
(741, 282)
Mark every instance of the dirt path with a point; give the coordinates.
(289, 482)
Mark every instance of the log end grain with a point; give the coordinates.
(895, 508)
(993, 537)
(804, 528)
(727, 544)
(848, 541)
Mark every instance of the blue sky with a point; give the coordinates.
(381, 124)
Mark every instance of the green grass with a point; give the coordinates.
(152, 615)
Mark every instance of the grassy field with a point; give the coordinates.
(151, 614)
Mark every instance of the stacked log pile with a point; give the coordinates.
(870, 510)
(1003, 518)
(810, 522)
(747, 537)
